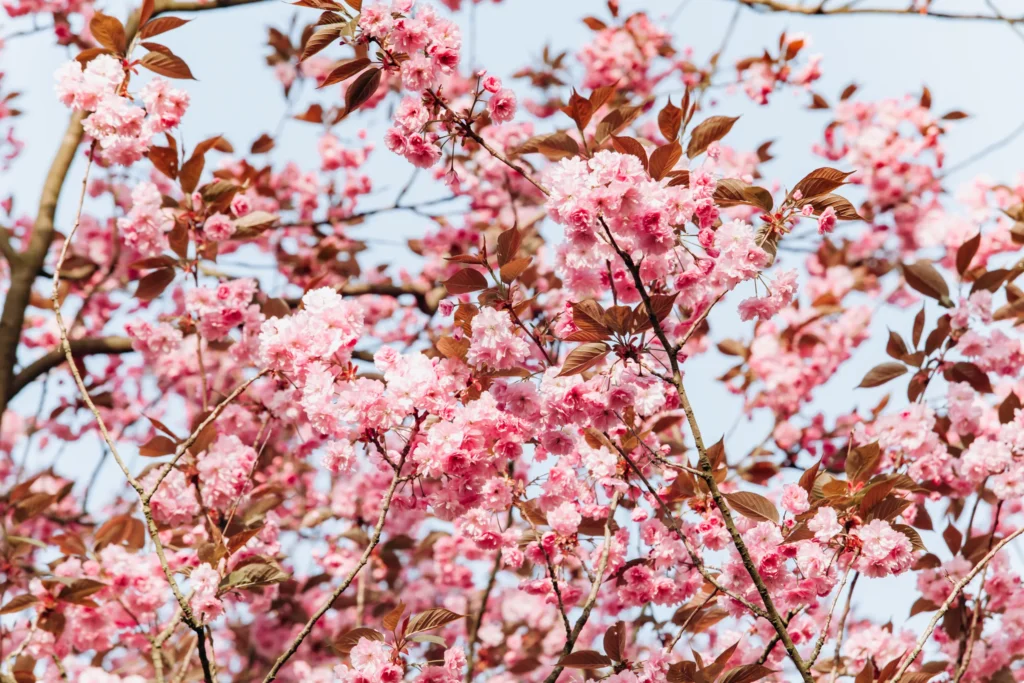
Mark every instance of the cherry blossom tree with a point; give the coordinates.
(476, 457)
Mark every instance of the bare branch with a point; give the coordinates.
(817, 10)
(79, 347)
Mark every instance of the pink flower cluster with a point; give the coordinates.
(218, 310)
(761, 76)
(122, 129)
(224, 471)
(408, 136)
(322, 332)
(204, 602)
(494, 343)
(625, 55)
(781, 293)
(885, 551)
(144, 229)
(153, 341)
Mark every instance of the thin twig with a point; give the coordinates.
(842, 628)
(374, 540)
(828, 620)
(957, 588)
(851, 8)
(478, 619)
(595, 587)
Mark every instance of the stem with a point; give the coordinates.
(828, 619)
(957, 589)
(842, 627)
(474, 625)
(595, 587)
(385, 506)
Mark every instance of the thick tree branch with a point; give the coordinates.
(7, 249)
(23, 273)
(12, 319)
(79, 347)
(817, 10)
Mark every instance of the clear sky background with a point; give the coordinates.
(976, 67)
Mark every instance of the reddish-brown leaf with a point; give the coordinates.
(146, 11)
(820, 181)
(585, 659)
(746, 673)
(514, 268)
(965, 254)
(165, 160)
(320, 38)
(19, 603)
(509, 242)
(880, 374)
(344, 643)
(669, 119)
(579, 109)
(345, 70)
(845, 211)
(753, 506)
(154, 284)
(615, 641)
(584, 357)
(431, 619)
(971, 374)
(157, 446)
(711, 130)
(558, 146)
(190, 172)
(732, 192)
(664, 158)
(465, 281)
(169, 65)
(108, 32)
(262, 145)
(923, 277)
(953, 538)
(361, 89)
(161, 25)
(632, 146)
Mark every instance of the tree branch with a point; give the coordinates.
(478, 620)
(828, 620)
(707, 474)
(7, 249)
(79, 347)
(23, 273)
(595, 587)
(848, 9)
(12, 319)
(954, 594)
(374, 540)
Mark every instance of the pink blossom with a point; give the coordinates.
(885, 550)
(502, 106)
(204, 602)
(794, 499)
(565, 519)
